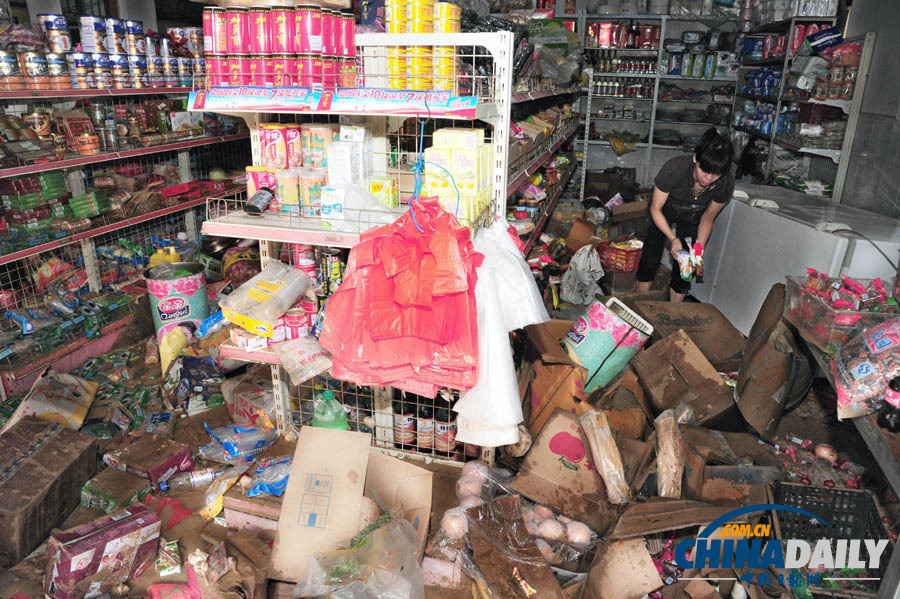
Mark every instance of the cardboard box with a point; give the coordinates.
(661, 515)
(581, 234)
(674, 370)
(96, 556)
(709, 329)
(561, 459)
(558, 382)
(629, 211)
(622, 570)
(152, 457)
(113, 490)
(255, 514)
(323, 500)
(42, 469)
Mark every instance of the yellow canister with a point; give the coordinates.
(395, 27)
(445, 84)
(395, 13)
(419, 26)
(421, 83)
(416, 11)
(448, 11)
(445, 26)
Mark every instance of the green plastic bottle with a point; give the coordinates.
(329, 413)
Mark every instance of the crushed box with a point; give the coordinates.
(42, 469)
(112, 490)
(152, 457)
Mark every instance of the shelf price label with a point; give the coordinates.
(363, 100)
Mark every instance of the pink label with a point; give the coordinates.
(892, 397)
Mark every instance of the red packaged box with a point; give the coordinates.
(593, 33)
(153, 457)
(98, 555)
(175, 190)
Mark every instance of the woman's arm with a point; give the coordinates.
(656, 206)
(704, 230)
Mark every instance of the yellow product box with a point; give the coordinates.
(465, 167)
(544, 125)
(385, 189)
(436, 179)
(453, 137)
(485, 162)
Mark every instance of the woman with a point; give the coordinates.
(688, 194)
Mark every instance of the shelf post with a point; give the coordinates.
(91, 268)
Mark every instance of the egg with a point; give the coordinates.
(578, 534)
(550, 529)
(826, 452)
(564, 519)
(531, 527)
(476, 469)
(455, 524)
(468, 486)
(470, 501)
(541, 513)
(527, 514)
(545, 549)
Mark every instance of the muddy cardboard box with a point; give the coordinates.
(674, 370)
(558, 380)
(42, 469)
(152, 457)
(559, 472)
(331, 472)
(111, 490)
(720, 342)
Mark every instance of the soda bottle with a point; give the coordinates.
(425, 426)
(329, 413)
(889, 414)
(404, 422)
(196, 478)
(445, 429)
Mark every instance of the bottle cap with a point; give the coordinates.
(163, 487)
(328, 395)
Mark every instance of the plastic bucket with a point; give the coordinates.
(176, 298)
(604, 340)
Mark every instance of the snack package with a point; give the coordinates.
(271, 477)
(214, 498)
(863, 366)
(233, 443)
(256, 305)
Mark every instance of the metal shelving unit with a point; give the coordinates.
(839, 157)
(656, 76)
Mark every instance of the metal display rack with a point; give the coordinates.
(658, 75)
(386, 113)
(830, 157)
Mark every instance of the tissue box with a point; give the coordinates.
(451, 137)
(333, 201)
(344, 159)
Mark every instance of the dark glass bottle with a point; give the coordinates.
(889, 414)
(404, 422)
(425, 425)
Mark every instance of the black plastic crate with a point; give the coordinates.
(853, 514)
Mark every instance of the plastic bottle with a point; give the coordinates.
(329, 413)
(889, 414)
(189, 480)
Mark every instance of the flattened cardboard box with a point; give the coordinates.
(331, 472)
(559, 472)
(112, 490)
(714, 335)
(155, 458)
(674, 370)
(42, 469)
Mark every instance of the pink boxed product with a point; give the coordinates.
(92, 558)
(155, 458)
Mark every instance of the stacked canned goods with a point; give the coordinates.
(305, 46)
(422, 67)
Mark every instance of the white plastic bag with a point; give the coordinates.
(303, 358)
(579, 283)
(269, 294)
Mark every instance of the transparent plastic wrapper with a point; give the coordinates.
(250, 400)
(384, 565)
(57, 397)
(266, 296)
(271, 476)
(549, 63)
(303, 358)
(451, 538)
(233, 443)
(214, 497)
(579, 282)
(478, 483)
(606, 456)
(669, 456)
(863, 367)
(355, 210)
(544, 523)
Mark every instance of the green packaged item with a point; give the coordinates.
(168, 560)
(113, 490)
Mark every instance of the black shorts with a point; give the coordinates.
(654, 246)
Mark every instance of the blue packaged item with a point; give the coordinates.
(233, 443)
(271, 476)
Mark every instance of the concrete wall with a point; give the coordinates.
(873, 181)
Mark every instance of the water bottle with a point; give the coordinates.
(188, 480)
(329, 413)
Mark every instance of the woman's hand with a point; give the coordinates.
(675, 247)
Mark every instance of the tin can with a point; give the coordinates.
(332, 268)
(396, 67)
(394, 27)
(214, 70)
(185, 71)
(260, 31)
(39, 121)
(59, 41)
(283, 70)
(138, 66)
(93, 33)
(417, 10)
(281, 30)
(311, 307)
(51, 22)
(195, 40)
(316, 73)
(420, 26)
(260, 201)
(447, 11)
(297, 322)
(199, 65)
(304, 66)
(327, 32)
(179, 33)
(348, 35)
(165, 48)
(155, 71)
(238, 40)
(176, 300)
(308, 29)
(215, 31)
(33, 66)
(121, 71)
(58, 71)
(348, 73)
(329, 73)
(102, 70)
(257, 66)
(135, 39)
(170, 71)
(81, 70)
(115, 35)
(443, 26)
(238, 70)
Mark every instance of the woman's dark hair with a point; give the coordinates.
(714, 152)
